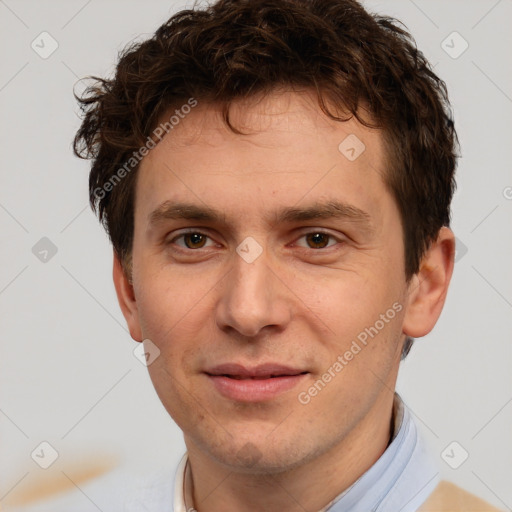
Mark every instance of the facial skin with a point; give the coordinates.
(300, 303)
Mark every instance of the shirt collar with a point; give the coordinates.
(401, 479)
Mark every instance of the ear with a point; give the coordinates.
(428, 288)
(126, 299)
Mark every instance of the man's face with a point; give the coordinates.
(267, 286)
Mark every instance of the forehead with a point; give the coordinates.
(260, 118)
(289, 153)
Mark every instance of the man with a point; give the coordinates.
(276, 180)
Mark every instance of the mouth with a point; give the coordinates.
(254, 384)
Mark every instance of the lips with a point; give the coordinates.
(255, 384)
(264, 371)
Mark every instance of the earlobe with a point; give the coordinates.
(126, 299)
(429, 287)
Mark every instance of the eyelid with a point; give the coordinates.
(339, 239)
(187, 231)
(303, 233)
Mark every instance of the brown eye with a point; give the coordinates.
(194, 240)
(317, 240)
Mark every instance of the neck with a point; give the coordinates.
(310, 486)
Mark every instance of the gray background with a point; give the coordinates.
(68, 375)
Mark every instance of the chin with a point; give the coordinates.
(261, 456)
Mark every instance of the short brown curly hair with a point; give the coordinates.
(234, 49)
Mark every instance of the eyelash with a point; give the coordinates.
(313, 232)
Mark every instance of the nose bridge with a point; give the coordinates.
(251, 298)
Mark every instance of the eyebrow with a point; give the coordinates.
(170, 210)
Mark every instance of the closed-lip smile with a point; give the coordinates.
(254, 383)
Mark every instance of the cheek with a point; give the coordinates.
(343, 302)
(360, 307)
(174, 316)
(154, 322)
(160, 299)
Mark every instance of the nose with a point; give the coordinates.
(253, 298)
